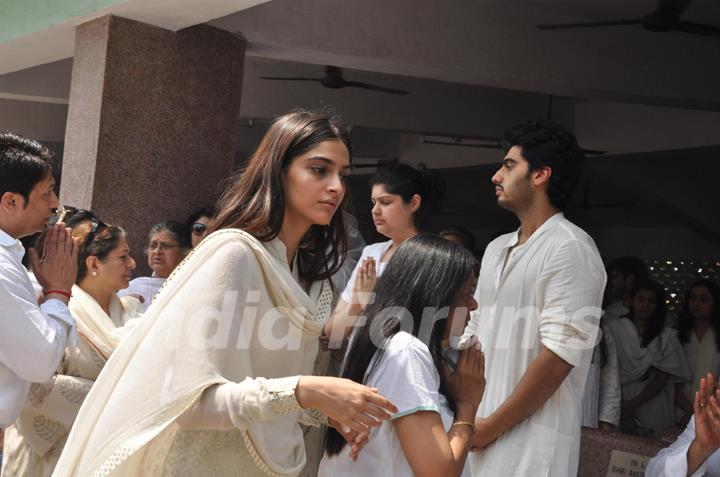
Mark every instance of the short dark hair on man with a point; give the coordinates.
(23, 163)
(549, 144)
(465, 235)
(630, 265)
(208, 212)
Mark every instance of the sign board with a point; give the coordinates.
(626, 464)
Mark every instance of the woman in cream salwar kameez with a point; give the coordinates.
(33, 445)
(214, 380)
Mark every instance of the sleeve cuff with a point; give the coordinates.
(59, 311)
(313, 417)
(282, 395)
(676, 463)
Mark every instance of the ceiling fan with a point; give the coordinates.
(334, 79)
(666, 17)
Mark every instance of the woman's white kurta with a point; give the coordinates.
(638, 365)
(231, 312)
(703, 358)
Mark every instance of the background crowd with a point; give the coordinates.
(640, 375)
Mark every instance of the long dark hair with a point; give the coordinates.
(255, 201)
(656, 323)
(425, 274)
(406, 181)
(687, 321)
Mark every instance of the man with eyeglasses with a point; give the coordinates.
(32, 336)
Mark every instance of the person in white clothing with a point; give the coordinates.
(168, 243)
(623, 274)
(603, 396)
(539, 290)
(650, 361)
(402, 198)
(695, 452)
(699, 334)
(216, 377)
(400, 350)
(32, 336)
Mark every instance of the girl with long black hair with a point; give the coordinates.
(699, 333)
(422, 302)
(650, 362)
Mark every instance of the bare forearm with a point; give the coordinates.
(696, 456)
(342, 321)
(652, 389)
(542, 378)
(460, 438)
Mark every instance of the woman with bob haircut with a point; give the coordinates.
(33, 445)
(403, 349)
(214, 381)
(402, 198)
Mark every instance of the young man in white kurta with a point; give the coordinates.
(539, 291)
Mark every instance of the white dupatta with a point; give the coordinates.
(229, 311)
(102, 332)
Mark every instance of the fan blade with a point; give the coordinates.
(593, 152)
(567, 26)
(283, 78)
(698, 29)
(373, 87)
(333, 72)
(673, 7)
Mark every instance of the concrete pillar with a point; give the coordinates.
(152, 121)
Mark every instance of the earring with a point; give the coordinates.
(94, 273)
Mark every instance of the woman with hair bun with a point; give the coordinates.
(216, 378)
(402, 198)
(33, 445)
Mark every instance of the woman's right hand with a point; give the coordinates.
(707, 414)
(355, 407)
(467, 383)
(365, 280)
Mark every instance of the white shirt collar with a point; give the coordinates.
(515, 237)
(13, 245)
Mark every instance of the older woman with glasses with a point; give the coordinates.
(34, 443)
(168, 243)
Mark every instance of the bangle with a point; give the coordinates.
(465, 423)
(64, 293)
